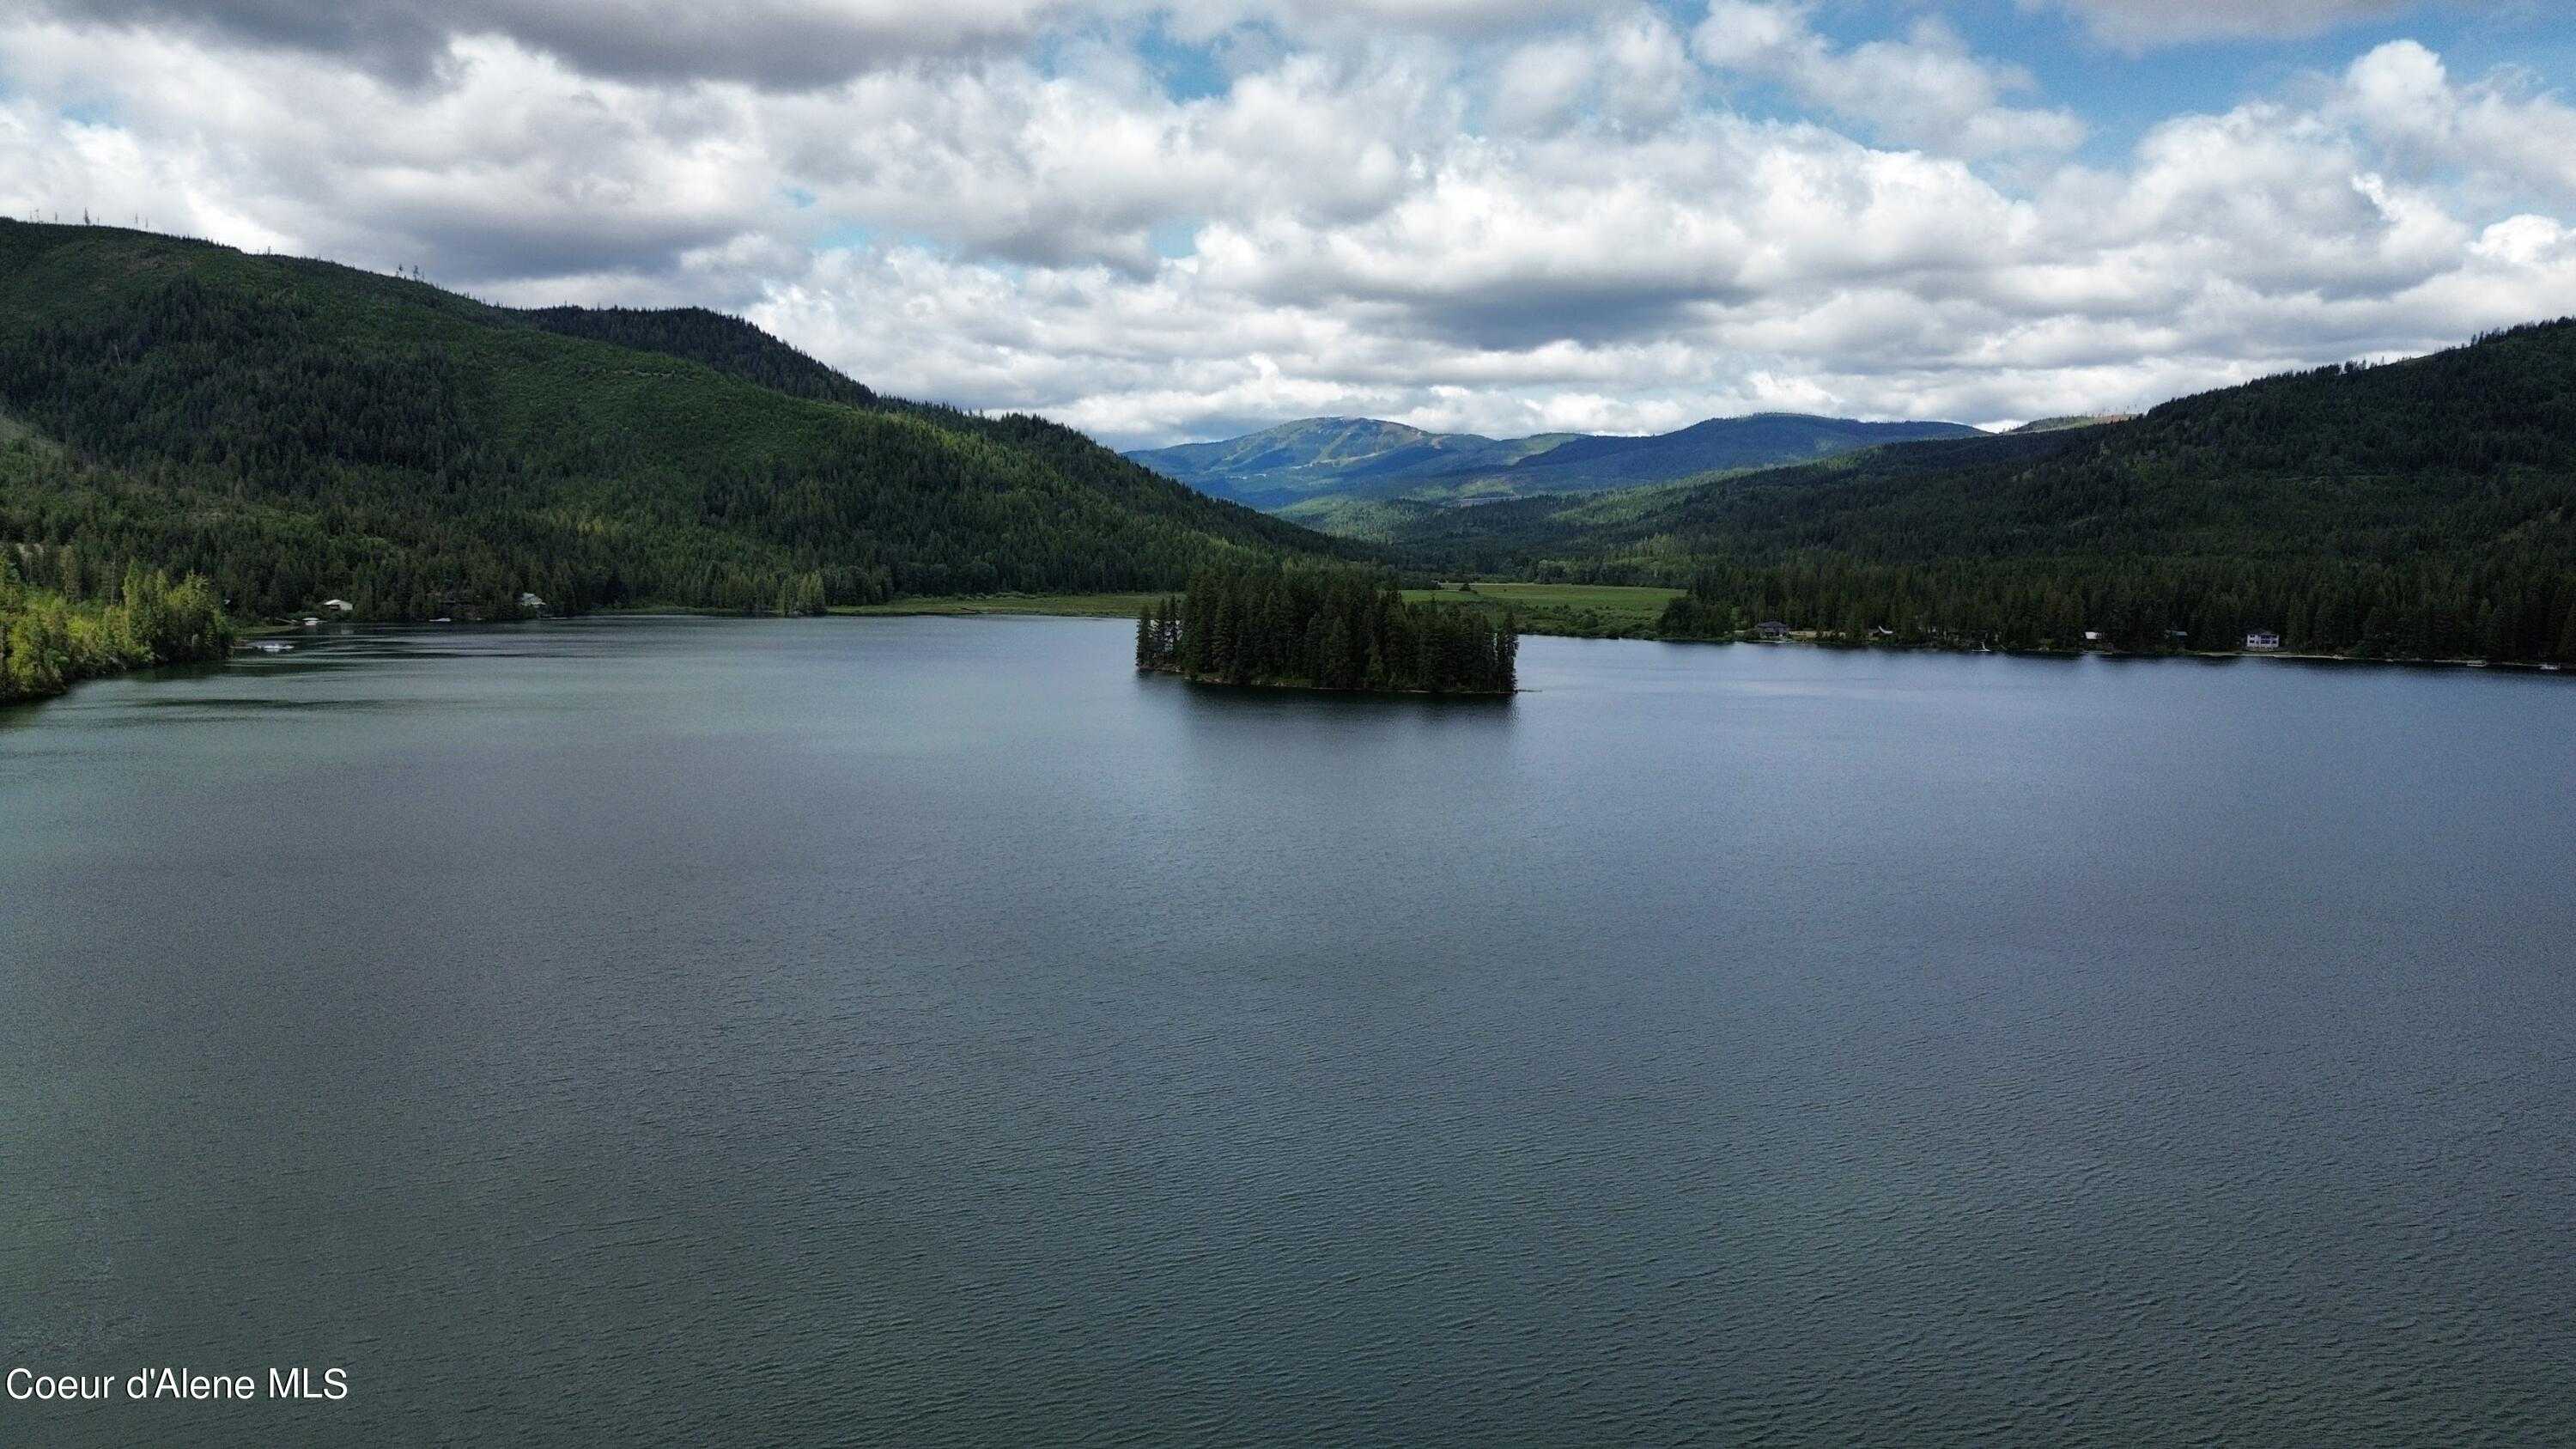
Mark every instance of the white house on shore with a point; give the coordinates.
(2262, 641)
(337, 606)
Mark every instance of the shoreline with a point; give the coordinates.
(1124, 606)
(969, 606)
(2204, 655)
(1304, 688)
(14, 700)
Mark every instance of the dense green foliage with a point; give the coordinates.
(1377, 520)
(48, 641)
(1317, 469)
(2366, 611)
(2424, 509)
(726, 344)
(295, 430)
(1323, 629)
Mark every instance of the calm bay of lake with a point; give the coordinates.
(927, 1031)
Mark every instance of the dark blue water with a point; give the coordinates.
(928, 1031)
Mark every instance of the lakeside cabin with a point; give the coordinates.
(1772, 629)
(337, 606)
(2262, 641)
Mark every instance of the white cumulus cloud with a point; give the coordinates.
(1566, 222)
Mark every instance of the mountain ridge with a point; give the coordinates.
(1311, 460)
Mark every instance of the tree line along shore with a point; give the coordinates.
(49, 641)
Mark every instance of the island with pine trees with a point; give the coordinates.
(1333, 629)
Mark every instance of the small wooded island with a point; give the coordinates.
(1322, 629)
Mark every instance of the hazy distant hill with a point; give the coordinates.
(1357, 459)
(295, 429)
(1718, 445)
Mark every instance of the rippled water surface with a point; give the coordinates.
(928, 1031)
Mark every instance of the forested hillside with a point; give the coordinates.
(2424, 509)
(727, 344)
(293, 429)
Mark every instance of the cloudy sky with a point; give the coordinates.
(1164, 220)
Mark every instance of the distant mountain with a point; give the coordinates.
(1764, 440)
(1363, 459)
(296, 430)
(1320, 456)
(2421, 509)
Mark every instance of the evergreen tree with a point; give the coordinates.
(47, 641)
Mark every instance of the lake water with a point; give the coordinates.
(928, 1031)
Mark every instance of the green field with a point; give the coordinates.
(1582, 611)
